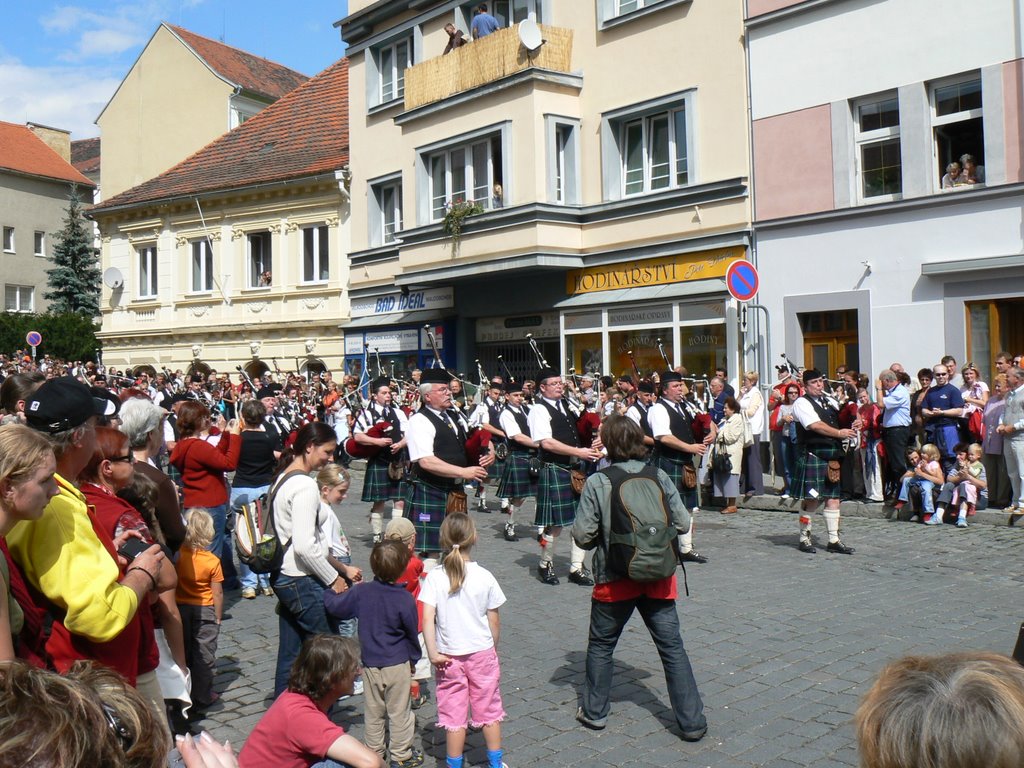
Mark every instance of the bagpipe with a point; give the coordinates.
(478, 441)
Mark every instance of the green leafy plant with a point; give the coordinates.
(455, 214)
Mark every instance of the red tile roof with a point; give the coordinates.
(253, 73)
(85, 155)
(24, 152)
(303, 134)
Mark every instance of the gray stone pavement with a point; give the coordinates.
(783, 644)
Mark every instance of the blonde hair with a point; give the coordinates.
(458, 535)
(960, 710)
(332, 475)
(199, 530)
(752, 375)
(930, 452)
(974, 448)
(22, 452)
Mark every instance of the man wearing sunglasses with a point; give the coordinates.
(941, 409)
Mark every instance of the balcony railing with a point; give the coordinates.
(483, 61)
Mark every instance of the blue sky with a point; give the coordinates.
(61, 62)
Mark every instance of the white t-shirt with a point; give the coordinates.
(461, 619)
(299, 516)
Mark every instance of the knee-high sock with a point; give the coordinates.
(576, 555)
(832, 524)
(547, 552)
(686, 539)
(805, 526)
(376, 523)
(396, 509)
(511, 513)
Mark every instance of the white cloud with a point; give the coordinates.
(62, 97)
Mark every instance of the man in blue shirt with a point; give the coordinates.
(483, 23)
(941, 409)
(895, 402)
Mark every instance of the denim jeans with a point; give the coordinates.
(328, 763)
(926, 492)
(240, 496)
(606, 623)
(300, 615)
(788, 450)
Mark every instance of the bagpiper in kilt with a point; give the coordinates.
(553, 425)
(437, 435)
(378, 487)
(638, 410)
(819, 441)
(487, 416)
(518, 480)
(671, 420)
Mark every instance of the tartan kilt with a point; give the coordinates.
(425, 505)
(377, 486)
(674, 470)
(556, 503)
(515, 479)
(812, 472)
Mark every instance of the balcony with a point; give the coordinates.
(484, 61)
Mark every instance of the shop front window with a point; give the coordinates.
(585, 352)
(702, 348)
(644, 346)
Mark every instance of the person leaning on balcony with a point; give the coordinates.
(972, 172)
(455, 38)
(483, 23)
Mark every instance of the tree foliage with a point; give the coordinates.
(68, 336)
(75, 280)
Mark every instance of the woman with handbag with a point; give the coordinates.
(298, 519)
(728, 458)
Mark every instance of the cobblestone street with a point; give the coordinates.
(783, 644)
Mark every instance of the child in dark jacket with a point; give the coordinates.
(390, 650)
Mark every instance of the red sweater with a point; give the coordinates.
(202, 468)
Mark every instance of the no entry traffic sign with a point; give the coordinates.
(741, 279)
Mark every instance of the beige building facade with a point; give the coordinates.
(181, 93)
(237, 257)
(610, 160)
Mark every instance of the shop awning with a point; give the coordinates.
(984, 264)
(647, 293)
(530, 262)
(395, 318)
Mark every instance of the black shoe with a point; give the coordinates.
(806, 546)
(695, 735)
(378, 538)
(510, 532)
(693, 556)
(581, 577)
(547, 574)
(839, 548)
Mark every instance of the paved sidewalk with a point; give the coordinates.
(783, 644)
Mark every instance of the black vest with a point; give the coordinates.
(807, 439)
(494, 417)
(524, 427)
(645, 424)
(563, 430)
(376, 416)
(449, 446)
(681, 428)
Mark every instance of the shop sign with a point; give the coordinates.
(543, 325)
(391, 303)
(406, 340)
(680, 268)
(640, 316)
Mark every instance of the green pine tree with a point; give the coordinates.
(75, 280)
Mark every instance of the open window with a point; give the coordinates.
(958, 126)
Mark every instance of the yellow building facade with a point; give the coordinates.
(604, 144)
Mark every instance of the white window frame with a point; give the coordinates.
(253, 272)
(537, 9)
(863, 139)
(320, 262)
(9, 243)
(563, 158)
(613, 12)
(39, 243)
(148, 282)
(201, 255)
(397, 73)
(385, 219)
(955, 117)
(19, 292)
(614, 133)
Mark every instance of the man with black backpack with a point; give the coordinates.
(630, 515)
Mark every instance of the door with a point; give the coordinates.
(830, 340)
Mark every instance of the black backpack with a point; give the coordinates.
(256, 539)
(642, 544)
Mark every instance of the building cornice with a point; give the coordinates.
(788, 12)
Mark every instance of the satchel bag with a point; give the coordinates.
(689, 476)
(456, 502)
(397, 470)
(577, 479)
(834, 471)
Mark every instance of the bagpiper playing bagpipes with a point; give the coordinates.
(380, 428)
(522, 465)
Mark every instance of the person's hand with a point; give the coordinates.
(150, 561)
(395, 448)
(204, 752)
(488, 458)
(474, 473)
(439, 660)
(235, 427)
(708, 439)
(222, 423)
(589, 454)
(845, 433)
(699, 448)
(121, 539)
(384, 442)
(354, 573)
(339, 585)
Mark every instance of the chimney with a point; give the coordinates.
(55, 138)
